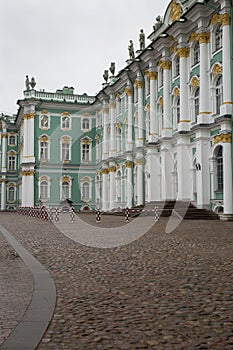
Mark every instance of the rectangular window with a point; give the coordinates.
(65, 151)
(12, 162)
(85, 152)
(44, 150)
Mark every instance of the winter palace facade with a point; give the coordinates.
(160, 129)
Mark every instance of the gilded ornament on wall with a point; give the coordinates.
(176, 11)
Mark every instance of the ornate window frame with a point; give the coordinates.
(44, 120)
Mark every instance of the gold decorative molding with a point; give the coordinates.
(128, 91)
(183, 52)
(66, 139)
(112, 169)
(97, 137)
(153, 75)
(224, 138)
(105, 171)
(3, 181)
(65, 179)
(138, 84)
(129, 164)
(226, 19)
(118, 166)
(174, 47)
(203, 38)
(176, 11)
(4, 136)
(44, 111)
(216, 18)
(86, 114)
(118, 96)
(138, 162)
(112, 104)
(176, 91)
(165, 64)
(105, 110)
(119, 125)
(217, 70)
(193, 37)
(28, 173)
(161, 101)
(44, 138)
(29, 116)
(86, 142)
(148, 107)
(195, 82)
(43, 178)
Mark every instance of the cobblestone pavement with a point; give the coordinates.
(163, 291)
(16, 286)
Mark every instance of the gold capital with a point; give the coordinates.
(128, 91)
(183, 52)
(138, 83)
(203, 38)
(129, 164)
(153, 75)
(224, 138)
(112, 169)
(176, 11)
(195, 82)
(112, 104)
(28, 172)
(105, 171)
(226, 19)
(165, 64)
(105, 110)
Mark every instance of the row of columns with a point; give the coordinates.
(3, 167)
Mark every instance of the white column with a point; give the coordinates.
(203, 174)
(139, 164)
(166, 171)
(184, 124)
(153, 167)
(226, 107)
(184, 169)
(27, 187)
(227, 177)
(204, 115)
(105, 148)
(104, 189)
(153, 137)
(112, 149)
(129, 142)
(112, 188)
(129, 183)
(3, 170)
(141, 130)
(167, 125)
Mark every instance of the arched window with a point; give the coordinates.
(86, 191)
(44, 148)
(44, 190)
(85, 124)
(12, 140)
(176, 66)
(178, 110)
(44, 122)
(196, 53)
(65, 148)
(196, 102)
(11, 193)
(218, 94)
(65, 122)
(218, 38)
(65, 190)
(219, 163)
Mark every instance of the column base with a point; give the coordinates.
(184, 126)
(153, 138)
(167, 133)
(226, 217)
(204, 118)
(226, 109)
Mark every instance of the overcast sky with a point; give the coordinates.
(67, 42)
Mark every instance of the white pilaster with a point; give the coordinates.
(203, 172)
(141, 130)
(3, 193)
(167, 125)
(204, 115)
(166, 171)
(105, 189)
(129, 142)
(227, 179)
(226, 108)
(112, 188)
(112, 106)
(184, 124)
(28, 187)
(184, 169)
(129, 184)
(153, 176)
(153, 137)
(3, 169)
(105, 148)
(139, 184)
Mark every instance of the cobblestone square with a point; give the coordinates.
(162, 291)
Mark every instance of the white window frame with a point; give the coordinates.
(13, 135)
(68, 141)
(83, 121)
(12, 161)
(65, 179)
(86, 141)
(65, 117)
(83, 181)
(44, 138)
(47, 180)
(41, 126)
(9, 186)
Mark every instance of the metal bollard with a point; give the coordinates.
(71, 210)
(127, 214)
(97, 216)
(156, 214)
(56, 215)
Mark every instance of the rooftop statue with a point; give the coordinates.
(112, 68)
(142, 40)
(27, 83)
(131, 50)
(33, 83)
(158, 23)
(105, 75)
